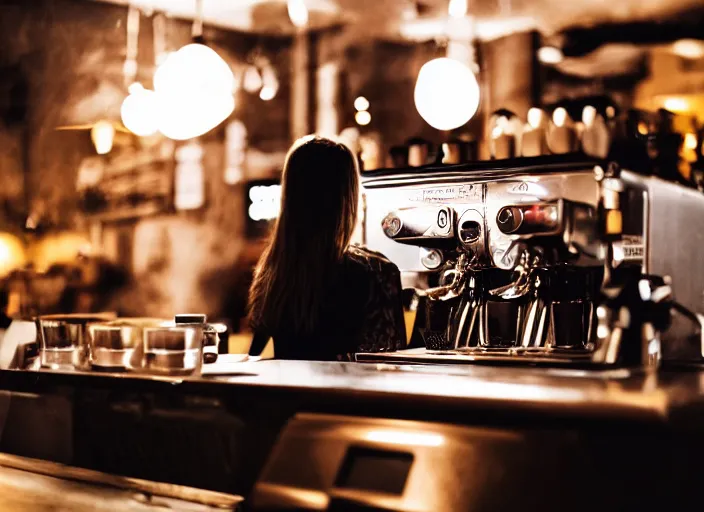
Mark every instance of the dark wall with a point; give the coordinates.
(61, 64)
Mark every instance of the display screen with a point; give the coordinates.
(374, 470)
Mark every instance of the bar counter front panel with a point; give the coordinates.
(278, 431)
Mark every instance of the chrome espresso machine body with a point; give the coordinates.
(555, 260)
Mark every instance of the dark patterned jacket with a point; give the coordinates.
(363, 313)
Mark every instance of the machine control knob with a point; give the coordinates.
(431, 259)
(529, 219)
(391, 225)
(443, 219)
(509, 219)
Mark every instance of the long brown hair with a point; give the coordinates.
(319, 198)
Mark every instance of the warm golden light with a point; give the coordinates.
(252, 81)
(503, 123)
(267, 93)
(56, 248)
(689, 48)
(102, 134)
(690, 141)
(195, 67)
(269, 82)
(298, 12)
(361, 103)
(405, 438)
(363, 118)
(12, 255)
(642, 128)
(446, 93)
(676, 104)
(550, 55)
(589, 115)
(610, 112)
(135, 87)
(195, 92)
(457, 8)
(559, 116)
(535, 117)
(186, 118)
(140, 111)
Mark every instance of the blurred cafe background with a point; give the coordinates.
(119, 194)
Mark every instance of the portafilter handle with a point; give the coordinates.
(529, 259)
(455, 279)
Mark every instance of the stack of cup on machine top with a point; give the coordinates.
(418, 152)
(102, 342)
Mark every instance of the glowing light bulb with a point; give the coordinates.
(446, 93)
(267, 93)
(297, 12)
(194, 88)
(12, 254)
(363, 118)
(361, 103)
(559, 116)
(140, 111)
(102, 134)
(535, 117)
(194, 68)
(457, 8)
(135, 88)
(270, 84)
(252, 80)
(182, 119)
(690, 141)
(676, 105)
(588, 115)
(689, 48)
(550, 55)
(610, 112)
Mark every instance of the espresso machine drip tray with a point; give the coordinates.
(518, 356)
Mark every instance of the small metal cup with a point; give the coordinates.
(63, 340)
(118, 344)
(112, 347)
(173, 350)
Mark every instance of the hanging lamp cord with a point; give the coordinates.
(197, 28)
(132, 50)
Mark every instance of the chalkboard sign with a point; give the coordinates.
(130, 185)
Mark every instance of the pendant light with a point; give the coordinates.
(297, 13)
(457, 8)
(270, 83)
(139, 109)
(195, 88)
(447, 91)
(102, 134)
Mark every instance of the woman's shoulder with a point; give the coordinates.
(370, 260)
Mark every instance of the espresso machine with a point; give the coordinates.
(562, 260)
